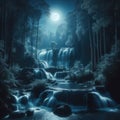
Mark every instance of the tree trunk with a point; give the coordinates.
(32, 36)
(100, 44)
(104, 41)
(116, 31)
(94, 49)
(97, 41)
(91, 45)
(37, 37)
(24, 34)
(3, 26)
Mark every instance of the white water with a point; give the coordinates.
(44, 74)
(63, 57)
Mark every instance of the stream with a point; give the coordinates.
(62, 99)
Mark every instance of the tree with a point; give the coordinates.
(17, 22)
(104, 17)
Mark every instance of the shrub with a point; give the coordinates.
(109, 68)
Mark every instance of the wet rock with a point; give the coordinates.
(29, 113)
(23, 100)
(40, 73)
(61, 75)
(37, 89)
(62, 111)
(44, 98)
(53, 70)
(76, 98)
(96, 101)
(17, 114)
(52, 98)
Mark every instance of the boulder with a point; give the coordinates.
(23, 100)
(62, 111)
(17, 114)
(51, 98)
(75, 98)
(44, 98)
(40, 73)
(61, 75)
(37, 90)
(96, 101)
(29, 113)
(53, 70)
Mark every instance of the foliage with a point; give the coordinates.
(18, 23)
(29, 61)
(5, 73)
(109, 68)
(80, 74)
(7, 101)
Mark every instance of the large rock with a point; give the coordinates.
(53, 70)
(62, 111)
(23, 100)
(37, 90)
(44, 98)
(96, 101)
(17, 114)
(40, 73)
(51, 98)
(76, 98)
(61, 75)
(29, 113)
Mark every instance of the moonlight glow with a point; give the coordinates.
(55, 16)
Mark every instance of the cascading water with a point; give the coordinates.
(63, 57)
(22, 101)
(46, 55)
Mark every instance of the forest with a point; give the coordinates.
(59, 63)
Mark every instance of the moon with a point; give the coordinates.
(55, 16)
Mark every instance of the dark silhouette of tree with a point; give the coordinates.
(98, 22)
(104, 17)
(16, 18)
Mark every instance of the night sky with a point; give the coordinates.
(63, 7)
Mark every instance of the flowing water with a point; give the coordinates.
(63, 57)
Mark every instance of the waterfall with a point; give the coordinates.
(22, 101)
(49, 56)
(64, 57)
(46, 55)
(43, 64)
(42, 74)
